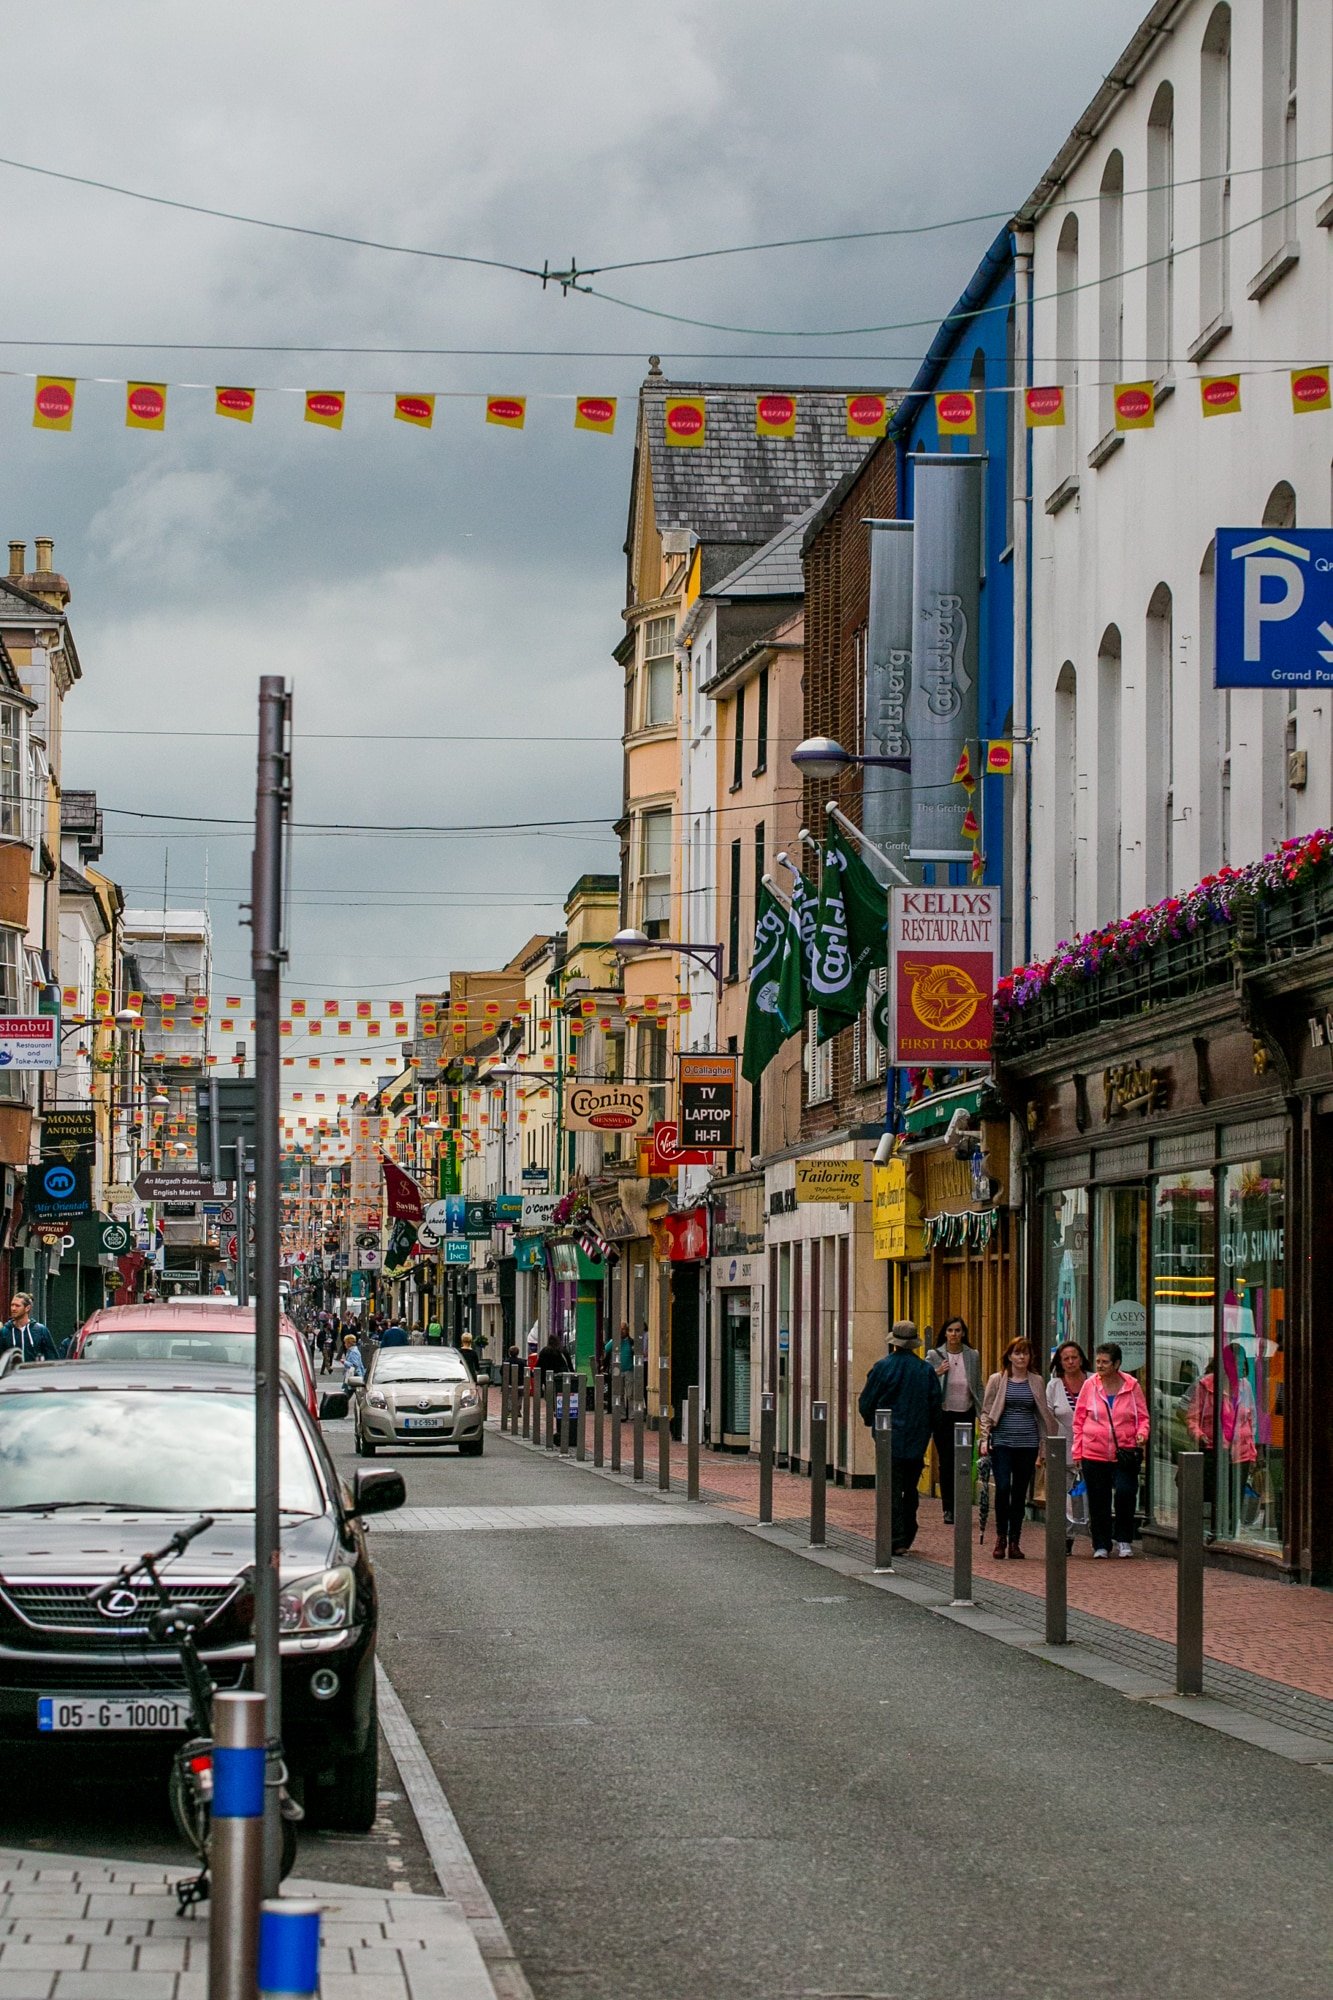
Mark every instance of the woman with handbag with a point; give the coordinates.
(1110, 1431)
(1069, 1372)
(958, 1366)
(1015, 1423)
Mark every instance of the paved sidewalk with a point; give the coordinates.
(79, 1929)
(1259, 1630)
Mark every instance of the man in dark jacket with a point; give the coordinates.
(907, 1385)
(553, 1360)
(21, 1330)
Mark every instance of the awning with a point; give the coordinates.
(933, 1113)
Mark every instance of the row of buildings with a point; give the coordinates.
(1150, 1152)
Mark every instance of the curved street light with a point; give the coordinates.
(630, 943)
(823, 757)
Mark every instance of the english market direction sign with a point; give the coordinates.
(150, 1186)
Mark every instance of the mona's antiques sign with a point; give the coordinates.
(594, 1105)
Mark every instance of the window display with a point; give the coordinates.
(1247, 1432)
(1066, 1260)
(1184, 1211)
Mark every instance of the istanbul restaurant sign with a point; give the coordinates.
(944, 947)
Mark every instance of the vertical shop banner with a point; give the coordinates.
(942, 706)
(886, 793)
(944, 961)
(707, 1103)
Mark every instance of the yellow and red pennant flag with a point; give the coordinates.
(963, 774)
(1134, 406)
(775, 415)
(325, 406)
(999, 759)
(595, 413)
(298, 1010)
(509, 411)
(238, 404)
(956, 413)
(145, 406)
(53, 403)
(685, 421)
(419, 410)
(1219, 395)
(977, 866)
(867, 416)
(331, 1007)
(1309, 390)
(971, 825)
(1043, 406)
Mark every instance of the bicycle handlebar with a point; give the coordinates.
(147, 1564)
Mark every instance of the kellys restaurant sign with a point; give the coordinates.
(598, 1106)
(944, 960)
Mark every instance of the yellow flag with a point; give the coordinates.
(53, 403)
(510, 411)
(146, 406)
(867, 416)
(595, 413)
(685, 421)
(238, 404)
(1134, 406)
(325, 406)
(956, 413)
(1219, 395)
(999, 759)
(1043, 406)
(1309, 389)
(418, 410)
(775, 415)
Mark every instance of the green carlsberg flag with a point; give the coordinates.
(851, 936)
(764, 1032)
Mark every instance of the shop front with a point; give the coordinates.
(737, 1318)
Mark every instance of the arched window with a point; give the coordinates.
(976, 382)
(1066, 342)
(1065, 818)
(1109, 822)
(1280, 506)
(1110, 286)
(1280, 731)
(1161, 231)
(1280, 152)
(1212, 786)
(1159, 742)
(1215, 168)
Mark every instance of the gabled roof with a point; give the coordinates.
(775, 570)
(21, 605)
(738, 488)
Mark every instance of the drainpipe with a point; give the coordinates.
(1021, 473)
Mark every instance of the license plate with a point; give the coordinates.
(62, 1713)
(423, 1423)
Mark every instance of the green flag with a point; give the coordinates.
(764, 1032)
(850, 936)
(805, 908)
(793, 989)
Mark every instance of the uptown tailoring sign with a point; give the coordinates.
(944, 947)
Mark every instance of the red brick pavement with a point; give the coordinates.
(1265, 1626)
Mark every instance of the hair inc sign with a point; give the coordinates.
(598, 1106)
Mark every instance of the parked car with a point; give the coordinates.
(99, 1462)
(190, 1331)
(419, 1396)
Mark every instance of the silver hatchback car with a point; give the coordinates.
(419, 1396)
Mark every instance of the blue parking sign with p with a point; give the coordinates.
(1273, 600)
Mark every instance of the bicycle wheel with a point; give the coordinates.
(188, 1809)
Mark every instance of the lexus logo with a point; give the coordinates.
(119, 1604)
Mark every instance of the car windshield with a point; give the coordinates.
(415, 1364)
(223, 1349)
(178, 1450)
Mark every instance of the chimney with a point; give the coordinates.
(18, 558)
(45, 554)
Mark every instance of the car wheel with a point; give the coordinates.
(472, 1448)
(344, 1797)
(363, 1450)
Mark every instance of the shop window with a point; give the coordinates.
(1120, 1292)
(659, 673)
(1065, 1257)
(1248, 1432)
(11, 771)
(1184, 1241)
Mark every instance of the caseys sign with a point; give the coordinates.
(606, 1107)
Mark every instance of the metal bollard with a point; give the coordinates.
(818, 1471)
(639, 1392)
(550, 1410)
(289, 1950)
(617, 1393)
(598, 1419)
(529, 1404)
(883, 1491)
(1057, 1542)
(581, 1420)
(962, 1513)
(664, 1425)
(506, 1393)
(768, 1438)
(1189, 1575)
(692, 1442)
(237, 1848)
(566, 1392)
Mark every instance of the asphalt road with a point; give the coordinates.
(691, 1765)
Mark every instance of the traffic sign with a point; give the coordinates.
(231, 1248)
(1273, 610)
(227, 1216)
(151, 1186)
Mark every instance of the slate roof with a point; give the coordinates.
(774, 570)
(737, 488)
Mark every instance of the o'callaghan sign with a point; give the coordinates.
(598, 1106)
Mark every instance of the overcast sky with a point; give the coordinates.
(467, 581)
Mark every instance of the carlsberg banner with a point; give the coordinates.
(850, 936)
(942, 704)
(764, 1032)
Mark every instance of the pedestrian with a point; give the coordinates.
(1015, 1422)
(958, 1366)
(395, 1334)
(327, 1345)
(625, 1363)
(21, 1330)
(469, 1354)
(434, 1334)
(1110, 1430)
(910, 1387)
(552, 1359)
(1069, 1372)
(354, 1368)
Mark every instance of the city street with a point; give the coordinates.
(690, 1764)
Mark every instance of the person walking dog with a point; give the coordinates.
(907, 1385)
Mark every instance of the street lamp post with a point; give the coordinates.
(820, 757)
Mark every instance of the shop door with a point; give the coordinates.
(736, 1337)
(684, 1338)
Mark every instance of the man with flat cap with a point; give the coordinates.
(907, 1385)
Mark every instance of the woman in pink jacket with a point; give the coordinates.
(1110, 1431)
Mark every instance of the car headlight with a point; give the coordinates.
(319, 1603)
(376, 1401)
(468, 1400)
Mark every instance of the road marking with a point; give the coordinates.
(450, 1855)
(567, 1514)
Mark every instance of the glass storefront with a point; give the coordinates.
(1184, 1211)
(736, 1362)
(1120, 1290)
(1065, 1257)
(1253, 1412)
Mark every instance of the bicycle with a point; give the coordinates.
(190, 1782)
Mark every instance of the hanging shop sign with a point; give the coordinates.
(457, 1250)
(60, 1189)
(68, 1130)
(113, 1239)
(944, 947)
(528, 1253)
(685, 1235)
(479, 1217)
(29, 1042)
(664, 1152)
(707, 1103)
(606, 1107)
(895, 1214)
(979, 1182)
(830, 1180)
(538, 1211)
(508, 1208)
(942, 711)
(886, 791)
(1273, 607)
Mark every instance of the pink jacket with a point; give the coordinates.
(1101, 1428)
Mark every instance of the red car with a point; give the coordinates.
(192, 1330)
